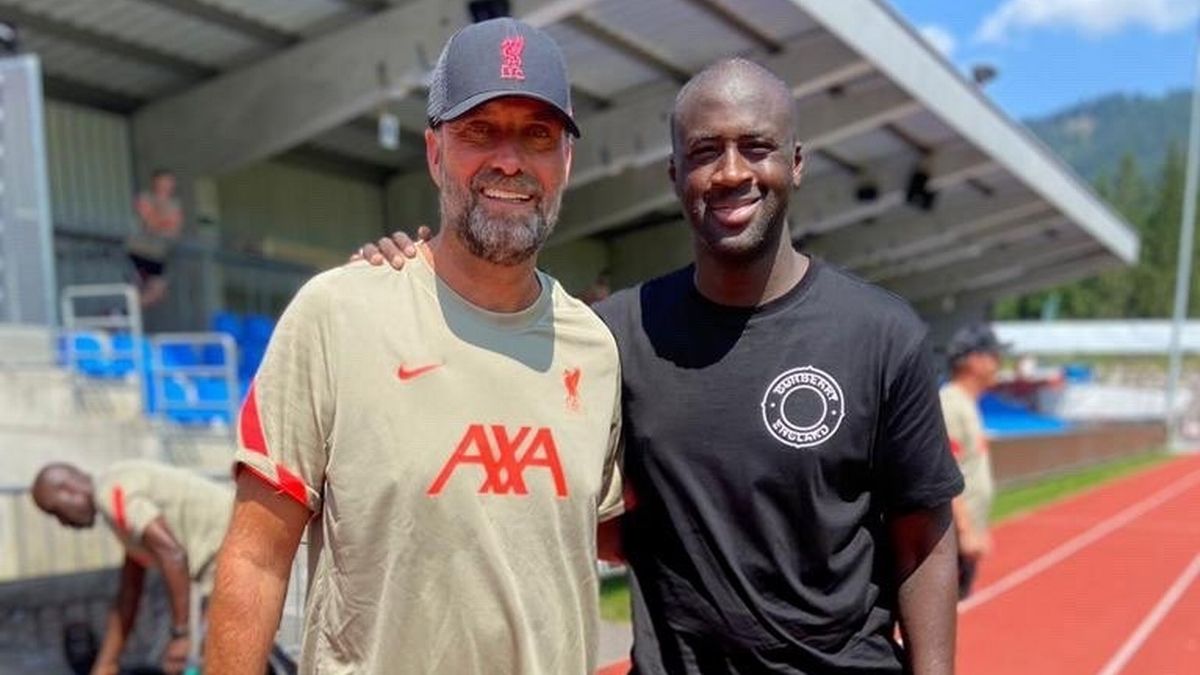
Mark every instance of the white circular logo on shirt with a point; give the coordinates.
(803, 407)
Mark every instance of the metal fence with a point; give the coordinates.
(202, 276)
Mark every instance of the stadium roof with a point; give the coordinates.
(914, 180)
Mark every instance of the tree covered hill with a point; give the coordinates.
(1131, 149)
(1094, 136)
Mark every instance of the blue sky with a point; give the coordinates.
(1053, 53)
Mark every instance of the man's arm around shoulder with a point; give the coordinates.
(253, 567)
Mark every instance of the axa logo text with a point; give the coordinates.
(503, 455)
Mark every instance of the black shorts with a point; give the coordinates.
(147, 267)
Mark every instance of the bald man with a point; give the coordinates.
(784, 445)
(166, 518)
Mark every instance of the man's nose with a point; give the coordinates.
(732, 169)
(507, 158)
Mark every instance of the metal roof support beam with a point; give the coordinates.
(229, 21)
(73, 91)
(914, 231)
(829, 202)
(275, 104)
(603, 205)
(638, 133)
(1019, 228)
(722, 12)
(600, 205)
(310, 156)
(873, 30)
(990, 262)
(1021, 280)
(368, 6)
(630, 46)
(362, 144)
(106, 43)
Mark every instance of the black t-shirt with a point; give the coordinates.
(764, 447)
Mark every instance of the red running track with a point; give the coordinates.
(1103, 583)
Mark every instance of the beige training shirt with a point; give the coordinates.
(970, 447)
(133, 493)
(456, 462)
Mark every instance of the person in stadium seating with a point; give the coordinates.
(974, 358)
(160, 221)
(785, 450)
(167, 518)
(465, 544)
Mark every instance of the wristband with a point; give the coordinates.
(180, 632)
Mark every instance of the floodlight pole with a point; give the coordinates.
(1183, 274)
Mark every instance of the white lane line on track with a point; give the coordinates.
(1077, 543)
(1155, 617)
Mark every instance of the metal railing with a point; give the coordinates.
(190, 376)
(209, 276)
(102, 312)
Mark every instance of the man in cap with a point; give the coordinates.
(166, 518)
(784, 445)
(974, 355)
(465, 544)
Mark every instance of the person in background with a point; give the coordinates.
(167, 518)
(160, 220)
(974, 359)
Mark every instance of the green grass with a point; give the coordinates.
(1017, 500)
(614, 593)
(614, 600)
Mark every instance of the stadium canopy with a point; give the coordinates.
(914, 178)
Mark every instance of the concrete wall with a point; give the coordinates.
(277, 201)
(1019, 460)
(649, 252)
(91, 192)
(577, 264)
(411, 201)
(91, 169)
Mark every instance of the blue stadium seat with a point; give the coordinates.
(229, 323)
(1079, 373)
(259, 329)
(1002, 417)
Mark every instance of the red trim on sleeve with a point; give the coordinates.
(956, 449)
(291, 485)
(118, 507)
(251, 426)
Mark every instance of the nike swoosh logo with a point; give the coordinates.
(406, 374)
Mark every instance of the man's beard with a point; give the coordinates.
(499, 239)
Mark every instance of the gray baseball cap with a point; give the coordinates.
(974, 337)
(494, 58)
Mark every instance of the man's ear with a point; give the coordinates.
(433, 156)
(797, 165)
